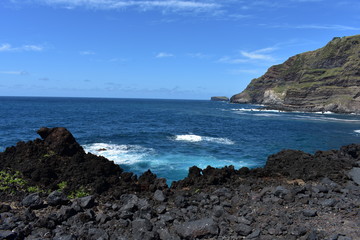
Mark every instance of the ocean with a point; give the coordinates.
(169, 136)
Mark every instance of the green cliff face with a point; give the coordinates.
(327, 79)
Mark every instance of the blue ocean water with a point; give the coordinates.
(169, 136)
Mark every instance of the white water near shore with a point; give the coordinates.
(197, 138)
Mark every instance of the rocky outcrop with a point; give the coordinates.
(57, 158)
(327, 79)
(221, 99)
(295, 196)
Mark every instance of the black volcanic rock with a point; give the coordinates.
(295, 196)
(60, 140)
(327, 79)
(59, 158)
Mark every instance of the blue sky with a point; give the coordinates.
(190, 49)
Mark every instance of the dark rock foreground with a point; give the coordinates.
(295, 196)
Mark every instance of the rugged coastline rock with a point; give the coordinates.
(327, 79)
(220, 99)
(296, 195)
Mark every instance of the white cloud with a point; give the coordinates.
(246, 56)
(5, 47)
(334, 27)
(170, 5)
(31, 48)
(328, 27)
(256, 56)
(164, 55)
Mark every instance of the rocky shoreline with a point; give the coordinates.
(296, 195)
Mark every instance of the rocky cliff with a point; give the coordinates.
(327, 79)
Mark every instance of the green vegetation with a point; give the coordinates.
(12, 182)
(33, 189)
(62, 186)
(47, 155)
(79, 193)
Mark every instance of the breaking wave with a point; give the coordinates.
(120, 154)
(197, 138)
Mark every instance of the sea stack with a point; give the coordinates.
(327, 79)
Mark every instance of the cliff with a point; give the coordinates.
(327, 79)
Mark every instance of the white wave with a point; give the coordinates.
(120, 154)
(357, 131)
(326, 119)
(197, 138)
(255, 110)
(266, 115)
(188, 138)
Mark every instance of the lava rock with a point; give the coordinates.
(8, 235)
(60, 140)
(243, 229)
(198, 228)
(354, 174)
(159, 196)
(86, 202)
(57, 198)
(33, 201)
(309, 213)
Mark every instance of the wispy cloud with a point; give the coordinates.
(14, 72)
(246, 56)
(164, 55)
(87, 53)
(164, 5)
(328, 27)
(333, 27)
(256, 56)
(6, 47)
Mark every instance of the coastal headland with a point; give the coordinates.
(326, 79)
(52, 189)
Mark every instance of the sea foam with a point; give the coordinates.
(197, 138)
(120, 154)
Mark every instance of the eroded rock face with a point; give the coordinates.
(60, 140)
(327, 79)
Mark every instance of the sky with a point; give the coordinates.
(167, 49)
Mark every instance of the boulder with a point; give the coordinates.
(60, 140)
(199, 228)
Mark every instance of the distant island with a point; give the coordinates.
(220, 98)
(327, 79)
